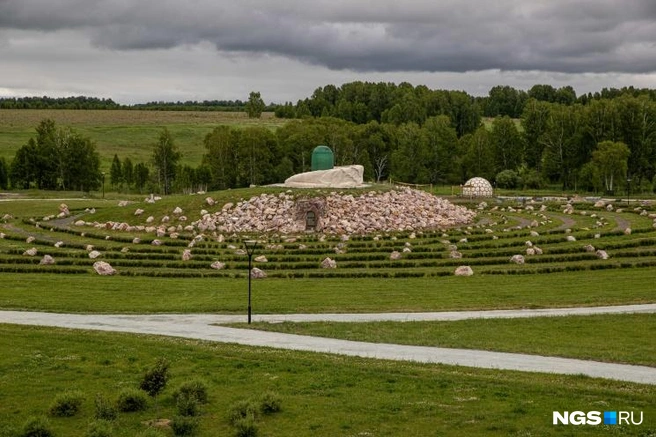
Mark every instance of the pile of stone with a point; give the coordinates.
(397, 210)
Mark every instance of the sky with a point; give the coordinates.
(135, 51)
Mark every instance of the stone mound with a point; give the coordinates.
(397, 210)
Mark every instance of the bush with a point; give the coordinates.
(187, 405)
(184, 425)
(506, 179)
(66, 404)
(156, 378)
(131, 399)
(246, 427)
(36, 427)
(99, 428)
(195, 387)
(242, 410)
(104, 409)
(270, 402)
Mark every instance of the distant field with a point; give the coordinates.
(126, 133)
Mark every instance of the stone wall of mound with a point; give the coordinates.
(398, 210)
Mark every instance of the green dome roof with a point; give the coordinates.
(322, 158)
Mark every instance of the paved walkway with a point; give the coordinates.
(203, 327)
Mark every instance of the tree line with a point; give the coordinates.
(598, 146)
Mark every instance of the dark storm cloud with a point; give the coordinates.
(416, 35)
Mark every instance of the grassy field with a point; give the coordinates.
(89, 293)
(583, 337)
(126, 133)
(321, 395)
(325, 394)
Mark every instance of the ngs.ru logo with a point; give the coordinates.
(595, 418)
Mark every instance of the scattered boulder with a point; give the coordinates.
(123, 203)
(257, 273)
(517, 259)
(139, 211)
(571, 238)
(125, 250)
(217, 265)
(609, 207)
(156, 243)
(47, 260)
(103, 268)
(136, 240)
(94, 254)
(209, 201)
(464, 271)
(165, 219)
(328, 263)
(600, 204)
(602, 254)
(261, 259)
(30, 252)
(150, 219)
(627, 231)
(537, 250)
(395, 255)
(177, 210)
(534, 234)
(30, 240)
(186, 255)
(2, 235)
(589, 248)
(530, 251)
(454, 254)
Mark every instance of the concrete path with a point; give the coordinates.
(202, 326)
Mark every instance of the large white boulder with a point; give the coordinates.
(350, 176)
(517, 259)
(47, 260)
(464, 271)
(329, 263)
(217, 265)
(103, 268)
(257, 273)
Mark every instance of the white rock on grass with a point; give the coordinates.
(464, 271)
(125, 250)
(217, 265)
(123, 203)
(407, 250)
(589, 248)
(454, 254)
(530, 251)
(328, 263)
(571, 238)
(186, 255)
(257, 273)
(602, 254)
(537, 250)
(30, 239)
(395, 255)
(261, 259)
(139, 211)
(177, 210)
(136, 240)
(30, 252)
(627, 231)
(517, 259)
(47, 260)
(2, 235)
(103, 268)
(156, 243)
(94, 254)
(534, 234)
(209, 201)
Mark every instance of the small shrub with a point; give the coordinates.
(270, 402)
(187, 405)
(36, 427)
(184, 425)
(156, 378)
(196, 388)
(241, 410)
(99, 428)
(66, 404)
(131, 399)
(246, 427)
(104, 409)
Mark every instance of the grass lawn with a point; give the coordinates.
(585, 337)
(322, 395)
(82, 293)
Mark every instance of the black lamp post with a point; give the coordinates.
(250, 246)
(103, 185)
(628, 191)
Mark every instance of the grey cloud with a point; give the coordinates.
(415, 35)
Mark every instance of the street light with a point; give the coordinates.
(103, 186)
(628, 191)
(250, 246)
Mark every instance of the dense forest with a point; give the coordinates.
(597, 142)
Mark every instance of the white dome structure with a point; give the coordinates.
(477, 187)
